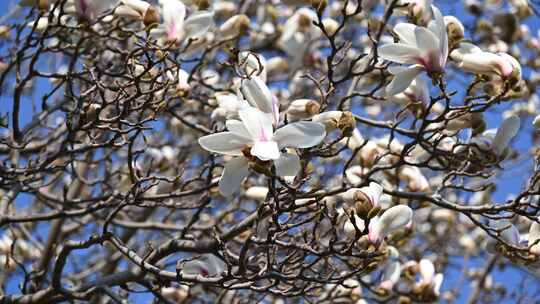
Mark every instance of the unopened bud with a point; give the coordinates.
(235, 26)
(302, 109)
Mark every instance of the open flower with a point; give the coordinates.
(499, 139)
(426, 49)
(176, 27)
(392, 219)
(254, 135)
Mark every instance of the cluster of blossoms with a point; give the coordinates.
(336, 151)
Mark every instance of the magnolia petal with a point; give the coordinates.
(534, 237)
(258, 94)
(391, 273)
(265, 150)
(174, 13)
(237, 127)
(207, 265)
(235, 171)
(506, 231)
(399, 53)
(257, 123)
(403, 79)
(302, 134)
(508, 130)
(427, 271)
(441, 34)
(394, 218)
(373, 191)
(198, 24)
(227, 143)
(288, 164)
(426, 41)
(405, 32)
(437, 283)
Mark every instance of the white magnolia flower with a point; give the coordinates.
(228, 106)
(416, 92)
(392, 219)
(138, 9)
(391, 271)
(254, 134)
(426, 49)
(207, 265)
(91, 9)
(471, 58)
(177, 28)
(428, 278)
(534, 238)
(259, 96)
(499, 139)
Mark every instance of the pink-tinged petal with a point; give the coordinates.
(257, 123)
(257, 94)
(198, 24)
(400, 53)
(391, 275)
(227, 143)
(207, 265)
(265, 150)
(374, 230)
(302, 134)
(237, 127)
(403, 79)
(426, 41)
(234, 173)
(374, 192)
(394, 218)
(508, 130)
(405, 32)
(288, 164)
(174, 13)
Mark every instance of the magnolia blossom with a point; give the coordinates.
(228, 106)
(534, 238)
(302, 109)
(176, 27)
(497, 140)
(392, 219)
(254, 136)
(391, 271)
(207, 265)
(91, 9)
(426, 49)
(138, 9)
(416, 93)
(428, 278)
(472, 59)
(258, 95)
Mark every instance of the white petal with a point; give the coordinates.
(237, 127)
(257, 123)
(394, 218)
(426, 40)
(403, 79)
(302, 134)
(235, 171)
(405, 32)
(373, 191)
(437, 283)
(174, 12)
(400, 53)
(427, 271)
(226, 143)
(258, 94)
(392, 272)
(441, 35)
(265, 150)
(198, 24)
(534, 233)
(508, 129)
(288, 164)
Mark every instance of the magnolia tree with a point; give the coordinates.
(269, 151)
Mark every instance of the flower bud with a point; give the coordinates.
(536, 121)
(257, 193)
(344, 121)
(235, 26)
(302, 109)
(183, 85)
(534, 238)
(176, 295)
(455, 29)
(392, 219)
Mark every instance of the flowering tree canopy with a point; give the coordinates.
(302, 151)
